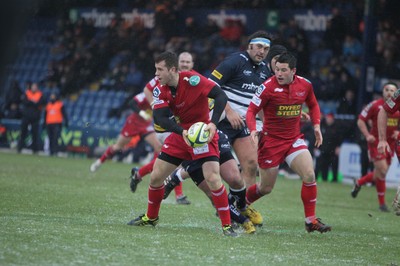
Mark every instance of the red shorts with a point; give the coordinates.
(136, 125)
(272, 151)
(374, 155)
(175, 146)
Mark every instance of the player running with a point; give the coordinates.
(281, 98)
(185, 94)
(381, 161)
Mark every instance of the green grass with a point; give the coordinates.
(53, 211)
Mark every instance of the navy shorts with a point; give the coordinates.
(233, 134)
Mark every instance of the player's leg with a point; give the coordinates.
(138, 173)
(175, 179)
(161, 169)
(380, 169)
(396, 202)
(237, 192)
(219, 195)
(23, 135)
(35, 135)
(246, 153)
(110, 152)
(174, 182)
(302, 163)
(265, 186)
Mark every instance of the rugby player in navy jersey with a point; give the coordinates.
(239, 76)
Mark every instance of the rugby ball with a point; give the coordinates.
(197, 136)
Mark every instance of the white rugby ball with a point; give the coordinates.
(197, 136)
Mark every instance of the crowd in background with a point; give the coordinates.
(120, 57)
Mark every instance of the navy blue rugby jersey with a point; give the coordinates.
(240, 77)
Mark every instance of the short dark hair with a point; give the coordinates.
(170, 58)
(391, 83)
(288, 58)
(259, 34)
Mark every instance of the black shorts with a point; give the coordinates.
(233, 134)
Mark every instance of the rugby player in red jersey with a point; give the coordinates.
(381, 161)
(281, 98)
(185, 63)
(185, 94)
(391, 106)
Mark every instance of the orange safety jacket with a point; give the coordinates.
(33, 96)
(54, 113)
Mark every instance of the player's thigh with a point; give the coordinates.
(161, 170)
(303, 165)
(245, 151)
(152, 139)
(121, 142)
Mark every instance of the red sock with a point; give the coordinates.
(178, 190)
(381, 189)
(155, 197)
(220, 199)
(309, 197)
(108, 154)
(368, 178)
(147, 168)
(252, 194)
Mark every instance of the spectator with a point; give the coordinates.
(347, 105)
(54, 117)
(328, 153)
(13, 101)
(33, 102)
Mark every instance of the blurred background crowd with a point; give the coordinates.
(47, 44)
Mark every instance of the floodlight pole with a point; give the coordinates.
(367, 79)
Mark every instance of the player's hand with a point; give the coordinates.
(185, 137)
(305, 117)
(370, 138)
(318, 136)
(383, 146)
(254, 137)
(212, 128)
(235, 119)
(395, 135)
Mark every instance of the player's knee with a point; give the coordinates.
(309, 176)
(264, 190)
(213, 180)
(235, 182)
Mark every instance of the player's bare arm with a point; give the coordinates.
(383, 145)
(233, 117)
(149, 96)
(305, 117)
(364, 130)
(318, 136)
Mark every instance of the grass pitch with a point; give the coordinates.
(53, 211)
